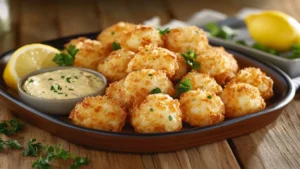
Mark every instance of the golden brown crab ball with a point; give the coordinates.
(201, 108)
(234, 64)
(241, 99)
(257, 78)
(115, 91)
(114, 33)
(115, 65)
(139, 84)
(216, 65)
(182, 68)
(141, 36)
(186, 38)
(99, 113)
(203, 81)
(157, 113)
(75, 41)
(153, 57)
(90, 53)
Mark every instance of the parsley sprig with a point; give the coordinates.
(223, 32)
(14, 144)
(32, 148)
(155, 91)
(115, 46)
(66, 58)
(10, 127)
(163, 31)
(189, 58)
(295, 52)
(184, 86)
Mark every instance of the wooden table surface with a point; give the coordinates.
(275, 147)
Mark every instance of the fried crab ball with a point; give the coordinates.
(141, 36)
(99, 113)
(182, 68)
(153, 57)
(234, 64)
(257, 78)
(201, 108)
(115, 65)
(115, 91)
(241, 99)
(203, 81)
(157, 113)
(90, 53)
(114, 33)
(216, 65)
(139, 84)
(186, 38)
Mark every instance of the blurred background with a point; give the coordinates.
(27, 21)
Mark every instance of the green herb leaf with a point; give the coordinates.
(223, 32)
(261, 47)
(170, 118)
(155, 91)
(32, 148)
(68, 79)
(209, 97)
(79, 161)
(241, 42)
(14, 144)
(189, 58)
(295, 52)
(50, 79)
(184, 86)
(10, 127)
(30, 81)
(150, 75)
(163, 31)
(115, 46)
(151, 110)
(66, 58)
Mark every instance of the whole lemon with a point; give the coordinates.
(273, 29)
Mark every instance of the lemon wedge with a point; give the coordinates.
(273, 29)
(28, 59)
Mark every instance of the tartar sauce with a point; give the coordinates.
(62, 84)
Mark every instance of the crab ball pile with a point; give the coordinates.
(162, 79)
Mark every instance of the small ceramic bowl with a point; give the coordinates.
(51, 106)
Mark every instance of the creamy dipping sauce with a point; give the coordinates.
(63, 84)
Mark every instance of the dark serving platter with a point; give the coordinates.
(128, 141)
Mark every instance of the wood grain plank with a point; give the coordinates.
(276, 146)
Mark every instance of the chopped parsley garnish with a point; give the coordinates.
(88, 76)
(55, 88)
(155, 91)
(170, 118)
(10, 127)
(223, 32)
(150, 75)
(62, 77)
(66, 58)
(71, 89)
(112, 33)
(163, 31)
(66, 95)
(264, 48)
(295, 52)
(151, 109)
(30, 81)
(184, 86)
(76, 77)
(209, 96)
(50, 79)
(115, 46)
(14, 144)
(241, 42)
(68, 79)
(32, 148)
(189, 58)
(59, 93)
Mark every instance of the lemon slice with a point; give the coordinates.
(273, 29)
(28, 59)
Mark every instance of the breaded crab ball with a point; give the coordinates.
(153, 57)
(99, 113)
(203, 81)
(90, 53)
(141, 36)
(241, 99)
(182, 68)
(234, 64)
(257, 78)
(201, 108)
(216, 65)
(115, 91)
(186, 38)
(139, 84)
(157, 113)
(114, 33)
(115, 65)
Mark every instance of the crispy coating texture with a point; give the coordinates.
(234, 64)
(217, 65)
(157, 113)
(75, 41)
(141, 36)
(115, 65)
(114, 33)
(241, 99)
(186, 38)
(153, 57)
(257, 78)
(99, 113)
(182, 68)
(90, 53)
(139, 84)
(115, 91)
(201, 108)
(204, 82)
